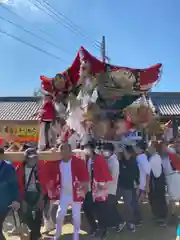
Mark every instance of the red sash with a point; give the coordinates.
(175, 160)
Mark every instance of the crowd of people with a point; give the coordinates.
(93, 104)
(94, 184)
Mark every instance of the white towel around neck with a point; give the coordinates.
(156, 164)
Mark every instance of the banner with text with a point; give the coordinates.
(20, 133)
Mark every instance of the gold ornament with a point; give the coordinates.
(114, 84)
(91, 112)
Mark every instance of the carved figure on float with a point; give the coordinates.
(83, 110)
(115, 83)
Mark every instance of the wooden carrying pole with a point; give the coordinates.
(42, 155)
(53, 155)
(19, 156)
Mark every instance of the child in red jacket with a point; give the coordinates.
(47, 117)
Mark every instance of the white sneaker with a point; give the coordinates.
(120, 227)
(132, 227)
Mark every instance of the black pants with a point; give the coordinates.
(47, 128)
(102, 214)
(2, 218)
(33, 219)
(90, 211)
(136, 205)
(34, 222)
(95, 210)
(114, 216)
(32, 215)
(157, 198)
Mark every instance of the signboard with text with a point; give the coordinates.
(20, 133)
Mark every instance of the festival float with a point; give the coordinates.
(96, 98)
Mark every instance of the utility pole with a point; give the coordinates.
(103, 49)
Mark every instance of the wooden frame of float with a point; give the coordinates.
(54, 155)
(42, 155)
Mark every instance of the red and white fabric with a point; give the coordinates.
(147, 76)
(102, 177)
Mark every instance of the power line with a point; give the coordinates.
(71, 23)
(31, 45)
(55, 16)
(50, 13)
(45, 11)
(15, 14)
(29, 32)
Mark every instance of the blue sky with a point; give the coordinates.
(138, 33)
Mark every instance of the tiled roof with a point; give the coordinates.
(19, 108)
(166, 103)
(22, 108)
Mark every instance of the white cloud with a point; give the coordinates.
(20, 4)
(4, 1)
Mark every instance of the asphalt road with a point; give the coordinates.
(149, 230)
